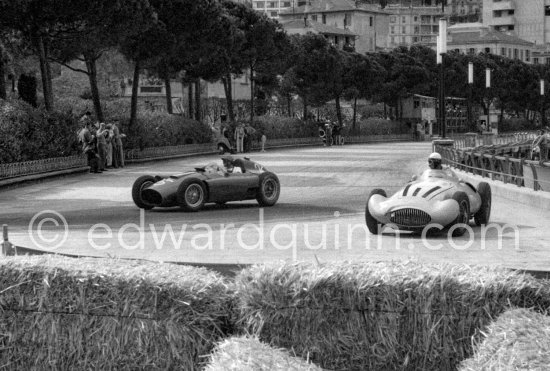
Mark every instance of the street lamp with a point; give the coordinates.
(442, 49)
(542, 113)
(470, 88)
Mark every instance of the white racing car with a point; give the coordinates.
(437, 199)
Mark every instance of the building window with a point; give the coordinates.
(403, 29)
(472, 51)
(336, 40)
(271, 4)
(371, 21)
(535, 60)
(527, 55)
(392, 29)
(547, 10)
(503, 52)
(314, 17)
(415, 39)
(521, 54)
(347, 20)
(516, 54)
(487, 50)
(416, 29)
(403, 20)
(393, 19)
(416, 18)
(260, 4)
(392, 40)
(324, 19)
(286, 4)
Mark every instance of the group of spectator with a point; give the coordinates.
(101, 143)
(541, 145)
(332, 134)
(243, 137)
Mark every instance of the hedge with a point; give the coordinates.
(380, 316)
(67, 313)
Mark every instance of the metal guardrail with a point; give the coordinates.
(521, 172)
(476, 140)
(15, 169)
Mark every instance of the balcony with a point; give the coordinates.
(503, 21)
(504, 5)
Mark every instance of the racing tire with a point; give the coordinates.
(372, 224)
(482, 216)
(191, 195)
(222, 149)
(269, 190)
(463, 213)
(141, 183)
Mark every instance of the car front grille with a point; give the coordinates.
(410, 217)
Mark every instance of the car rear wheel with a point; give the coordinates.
(463, 217)
(269, 190)
(222, 148)
(483, 214)
(191, 195)
(372, 224)
(139, 185)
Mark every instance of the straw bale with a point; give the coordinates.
(518, 340)
(66, 313)
(245, 353)
(380, 316)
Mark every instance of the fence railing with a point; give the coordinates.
(476, 140)
(523, 173)
(16, 169)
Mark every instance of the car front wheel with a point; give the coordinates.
(463, 218)
(191, 195)
(139, 185)
(372, 224)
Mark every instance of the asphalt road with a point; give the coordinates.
(319, 216)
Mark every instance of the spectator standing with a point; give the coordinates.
(543, 142)
(109, 140)
(102, 146)
(88, 142)
(118, 150)
(328, 134)
(86, 118)
(239, 137)
(264, 139)
(249, 132)
(337, 135)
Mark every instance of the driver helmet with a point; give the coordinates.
(434, 161)
(228, 163)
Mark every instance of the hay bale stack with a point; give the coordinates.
(66, 313)
(380, 316)
(518, 340)
(245, 353)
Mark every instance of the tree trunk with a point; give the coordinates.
(92, 76)
(198, 111)
(168, 87)
(304, 100)
(289, 105)
(353, 124)
(3, 94)
(43, 59)
(229, 97)
(190, 100)
(251, 95)
(135, 91)
(338, 110)
(49, 95)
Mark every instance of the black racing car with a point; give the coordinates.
(241, 179)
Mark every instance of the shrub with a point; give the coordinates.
(283, 127)
(27, 89)
(515, 124)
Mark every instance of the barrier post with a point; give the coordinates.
(7, 248)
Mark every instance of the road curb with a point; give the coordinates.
(6, 183)
(526, 196)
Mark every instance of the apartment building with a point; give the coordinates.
(274, 7)
(367, 23)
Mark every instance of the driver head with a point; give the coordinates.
(228, 163)
(434, 161)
